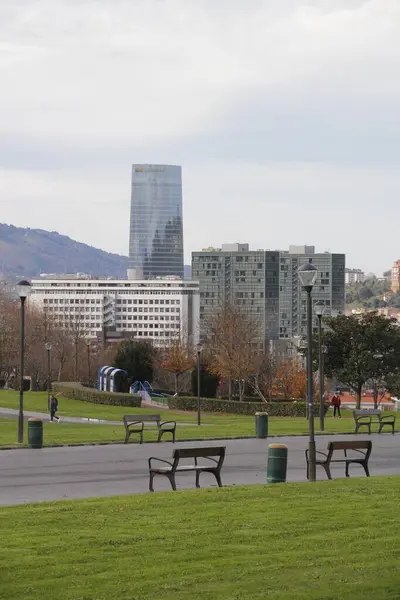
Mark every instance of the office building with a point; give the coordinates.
(354, 276)
(156, 310)
(264, 284)
(156, 233)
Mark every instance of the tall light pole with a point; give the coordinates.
(319, 309)
(307, 275)
(47, 347)
(88, 358)
(76, 359)
(23, 289)
(198, 384)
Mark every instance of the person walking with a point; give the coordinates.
(336, 402)
(54, 409)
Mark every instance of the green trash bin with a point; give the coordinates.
(35, 433)
(277, 463)
(261, 424)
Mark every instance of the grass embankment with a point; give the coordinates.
(213, 425)
(329, 540)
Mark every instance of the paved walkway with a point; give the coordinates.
(11, 412)
(80, 472)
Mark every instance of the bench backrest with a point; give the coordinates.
(366, 412)
(352, 445)
(207, 452)
(141, 418)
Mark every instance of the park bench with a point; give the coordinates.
(369, 416)
(135, 424)
(214, 454)
(362, 450)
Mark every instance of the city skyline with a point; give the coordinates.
(283, 115)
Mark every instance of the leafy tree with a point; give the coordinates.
(137, 358)
(208, 382)
(360, 348)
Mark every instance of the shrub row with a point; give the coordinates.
(76, 391)
(274, 409)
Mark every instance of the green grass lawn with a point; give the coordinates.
(336, 540)
(213, 425)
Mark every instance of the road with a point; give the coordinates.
(85, 471)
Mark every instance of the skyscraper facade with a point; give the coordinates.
(156, 230)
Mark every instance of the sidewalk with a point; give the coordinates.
(10, 412)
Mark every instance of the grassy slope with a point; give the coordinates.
(329, 540)
(213, 426)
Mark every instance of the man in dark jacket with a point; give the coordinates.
(54, 408)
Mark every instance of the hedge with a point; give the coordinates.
(274, 409)
(76, 391)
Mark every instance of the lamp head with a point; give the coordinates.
(319, 308)
(307, 275)
(47, 346)
(23, 289)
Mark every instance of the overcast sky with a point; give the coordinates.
(283, 114)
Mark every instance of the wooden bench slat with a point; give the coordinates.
(352, 445)
(199, 452)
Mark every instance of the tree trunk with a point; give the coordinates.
(229, 389)
(176, 382)
(358, 397)
(375, 396)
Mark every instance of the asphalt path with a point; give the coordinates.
(13, 413)
(87, 471)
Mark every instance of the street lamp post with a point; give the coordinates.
(88, 358)
(47, 347)
(24, 289)
(319, 311)
(307, 275)
(198, 385)
(76, 359)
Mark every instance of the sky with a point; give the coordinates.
(284, 116)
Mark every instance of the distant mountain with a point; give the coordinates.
(30, 252)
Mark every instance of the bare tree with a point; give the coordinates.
(232, 347)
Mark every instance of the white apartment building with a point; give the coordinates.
(353, 276)
(154, 310)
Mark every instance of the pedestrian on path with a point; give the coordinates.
(54, 409)
(336, 402)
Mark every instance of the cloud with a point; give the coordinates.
(290, 101)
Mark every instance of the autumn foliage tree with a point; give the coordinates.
(177, 358)
(290, 380)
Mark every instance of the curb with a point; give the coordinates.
(208, 439)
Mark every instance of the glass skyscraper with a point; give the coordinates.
(156, 231)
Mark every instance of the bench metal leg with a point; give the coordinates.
(161, 433)
(347, 470)
(197, 479)
(151, 487)
(327, 471)
(218, 478)
(172, 481)
(366, 469)
(127, 437)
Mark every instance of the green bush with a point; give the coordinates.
(274, 409)
(76, 391)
